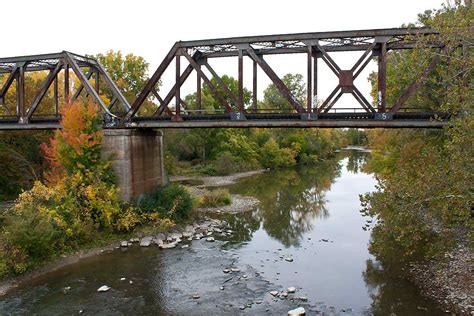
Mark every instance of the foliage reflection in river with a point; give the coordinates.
(290, 199)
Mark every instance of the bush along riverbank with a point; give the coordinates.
(77, 206)
(424, 203)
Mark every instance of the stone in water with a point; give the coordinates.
(291, 289)
(103, 288)
(297, 312)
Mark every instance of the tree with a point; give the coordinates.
(129, 72)
(210, 103)
(424, 202)
(272, 98)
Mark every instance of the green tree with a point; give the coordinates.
(210, 103)
(272, 98)
(424, 202)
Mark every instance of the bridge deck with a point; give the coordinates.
(263, 120)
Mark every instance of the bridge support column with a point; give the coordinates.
(137, 159)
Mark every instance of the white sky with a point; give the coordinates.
(150, 28)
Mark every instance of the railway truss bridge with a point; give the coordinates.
(67, 76)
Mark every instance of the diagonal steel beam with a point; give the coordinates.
(153, 81)
(81, 87)
(329, 98)
(221, 83)
(214, 90)
(169, 96)
(333, 101)
(44, 88)
(82, 77)
(162, 102)
(328, 60)
(276, 80)
(9, 81)
(415, 85)
(362, 58)
(363, 99)
(115, 90)
(361, 102)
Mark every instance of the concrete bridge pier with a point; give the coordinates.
(137, 159)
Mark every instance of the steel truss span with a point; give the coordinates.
(195, 57)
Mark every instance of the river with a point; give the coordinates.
(306, 233)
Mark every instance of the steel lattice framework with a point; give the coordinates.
(234, 113)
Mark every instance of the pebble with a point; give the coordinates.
(297, 312)
(124, 243)
(226, 270)
(146, 241)
(235, 269)
(122, 279)
(210, 239)
(168, 245)
(291, 289)
(103, 288)
(184, 246)
(274, 293)
(289, 259)
(196, 296)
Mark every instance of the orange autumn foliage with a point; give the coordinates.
(77, 145)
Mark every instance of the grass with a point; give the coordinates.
(215, 198)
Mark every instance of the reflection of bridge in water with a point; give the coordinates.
(22, 111)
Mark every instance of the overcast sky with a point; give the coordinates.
(149, 28)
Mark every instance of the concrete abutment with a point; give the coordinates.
(137, 159)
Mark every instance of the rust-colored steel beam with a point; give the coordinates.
(55, 63)
(412, 88)
(276, 80)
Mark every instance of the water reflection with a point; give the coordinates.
(290, 201)
(356, 161)
(393, 295)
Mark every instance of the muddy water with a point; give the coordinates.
(307, 233)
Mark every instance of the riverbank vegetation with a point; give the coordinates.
(77, 204)
(214, 198)
(424, 202)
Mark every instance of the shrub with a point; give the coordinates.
(271, 155)
(215, 198)
(29, 237)
(225, 164)
(171, 200)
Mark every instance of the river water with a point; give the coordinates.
(307, 233)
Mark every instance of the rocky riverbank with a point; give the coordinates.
(201, 229)
(216, 181)
(450, 281)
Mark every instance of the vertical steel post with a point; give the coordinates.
(97, 81)
(315, 81)
(241, 81)
(178, 87)
(20, 93)
(309, 83)
(382, 78)
(56, 96)
(198, 91)
(254, 88)
(66, 83)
